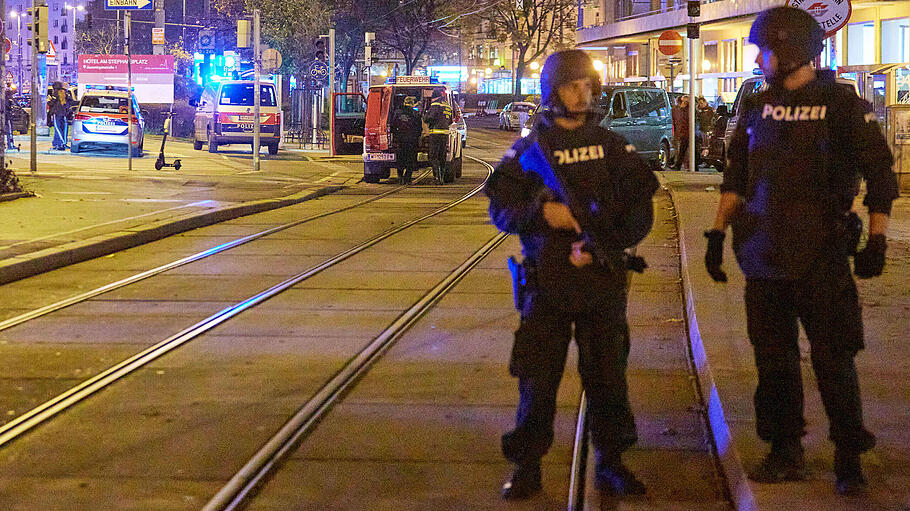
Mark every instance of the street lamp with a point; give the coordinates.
(74, 8)
(18, 17)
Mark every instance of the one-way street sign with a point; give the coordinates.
(128, 5)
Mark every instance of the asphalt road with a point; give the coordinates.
(418, 431)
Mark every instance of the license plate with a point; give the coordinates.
(380, 157)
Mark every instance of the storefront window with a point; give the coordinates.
(728, 56)
(861, 43)
(750, 53)
(895, 43)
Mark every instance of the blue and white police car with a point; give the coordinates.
(100, 121)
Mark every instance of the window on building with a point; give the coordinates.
(728, 56)
(55, 40)
(861, 43)
(710, 58)
(895, 41)
(65, 61)
(63, 28)
(750, 53)
(56, 23)
(63, 44)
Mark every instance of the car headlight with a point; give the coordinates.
(525, 132)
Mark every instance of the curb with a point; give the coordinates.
(13, 196)
(734, 474)
(27, 265)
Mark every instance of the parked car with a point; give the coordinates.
(514, 115)
(224, 115)
(380, 146)
(101, 120)
(642, 116)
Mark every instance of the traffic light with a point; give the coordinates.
(88, 21)
(38, 27)
(693, 8)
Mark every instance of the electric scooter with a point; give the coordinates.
(160, 163)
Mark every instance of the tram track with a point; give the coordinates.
(107, 288)
(22, 424)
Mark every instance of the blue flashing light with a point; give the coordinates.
(757, 71)
(107, 87)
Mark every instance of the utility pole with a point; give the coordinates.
(3, 112)
(129, 89)
(35, 93)
(257, 57)
(331, 63)
(158, 49)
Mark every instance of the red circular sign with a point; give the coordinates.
(670, 42)
(7, 45)
(831, 15)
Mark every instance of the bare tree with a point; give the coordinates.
(100, 40)
(407, 27)
(532, 26)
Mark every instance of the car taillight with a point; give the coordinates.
(82, 117)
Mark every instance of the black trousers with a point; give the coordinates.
(825, 302)
(538, 359)
(438, 146)
(406, 160)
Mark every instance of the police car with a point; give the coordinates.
(100, 122)
(379, 146)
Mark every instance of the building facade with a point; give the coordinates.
(63, 61)
(873, 48)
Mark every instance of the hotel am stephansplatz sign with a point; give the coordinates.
(832, 15)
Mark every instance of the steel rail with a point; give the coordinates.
(72, 300)
(34, 417)
(241, 487)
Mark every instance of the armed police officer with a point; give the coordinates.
(438, 117)
(577, 195)
(788, 190)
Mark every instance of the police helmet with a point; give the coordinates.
(563, 67)
(791, 34)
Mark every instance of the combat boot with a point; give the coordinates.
(785, 462)
(524, 483)
(613, 478)
(848, 473)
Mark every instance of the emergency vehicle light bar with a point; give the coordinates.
(401, 80)
(108, 87)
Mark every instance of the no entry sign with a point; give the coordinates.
(670, 42)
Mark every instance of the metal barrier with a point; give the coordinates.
(307, 126)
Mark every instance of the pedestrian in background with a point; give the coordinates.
(681, 128)
(705, 115)
(577, 195)
(788, 192)
(8, 121)
(58, 108)
(438, 117)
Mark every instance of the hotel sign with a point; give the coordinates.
(832, 15)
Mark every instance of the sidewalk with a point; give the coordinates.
(80, 207)
(727, 373)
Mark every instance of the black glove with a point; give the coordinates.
(870, 261)
(714, 256)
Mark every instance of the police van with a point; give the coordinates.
(380, 146)
(224, 115)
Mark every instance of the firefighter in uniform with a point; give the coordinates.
(788, 189)
(438, 117)
(577, 195)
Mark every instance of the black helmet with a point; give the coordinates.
(791, 34)
(563, 67)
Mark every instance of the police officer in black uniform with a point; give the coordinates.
(577, 195)
(788, 189)
(438, 117)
